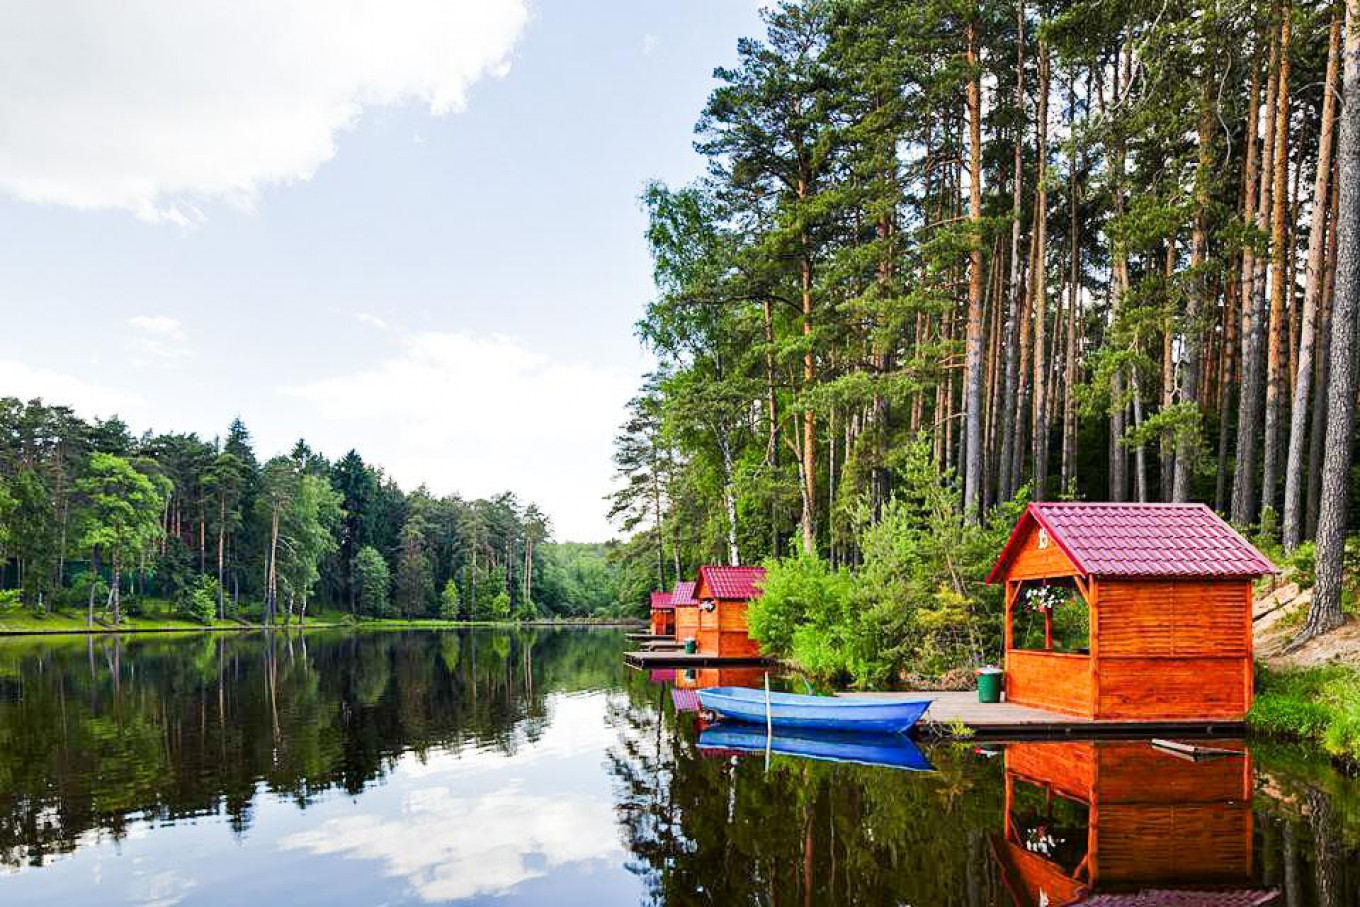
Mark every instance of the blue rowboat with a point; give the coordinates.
(888, 750)
(885, 714)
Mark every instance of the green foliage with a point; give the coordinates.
(198, 601)
(372, 582)
(449, 601)
(915, 607)
(1320, 705)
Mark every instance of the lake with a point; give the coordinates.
(532, 767)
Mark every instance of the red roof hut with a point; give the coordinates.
(663, 614)
(1129, 612)
(723, 594)
(686, 611)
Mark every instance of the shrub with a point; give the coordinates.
(198, 600)
(448, 601)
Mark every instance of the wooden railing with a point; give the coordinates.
(1060, 681)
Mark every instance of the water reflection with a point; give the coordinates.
(530, 767)
(1084, 818)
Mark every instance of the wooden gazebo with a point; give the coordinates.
(686, 611)
(1162, 596)
(663, 614)
(723, 594)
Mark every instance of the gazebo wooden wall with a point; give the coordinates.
(723, 594)
(1166, 644)
(663, 614)
(686, 611)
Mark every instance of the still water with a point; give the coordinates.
(532, 767)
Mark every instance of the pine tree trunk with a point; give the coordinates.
(1279, 252)
(1317, 433)
(1010, 409)
(1069, 404)
(1312, 292)
(1325, 612)
(1039, 443)
(809, 418)
(1187, 447)
(972, 484)
(1253, 316)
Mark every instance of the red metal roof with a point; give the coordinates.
(1140, 540)
(732, 582)
(683, 596)
(661, 601)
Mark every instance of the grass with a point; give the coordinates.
(1315, 705)
(22, 620)
(157, 617)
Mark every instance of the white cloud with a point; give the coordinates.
(449, 846)
(18, 379)
(649, 42)
(159, 106)
(372, 321)
(481, 415)
(157, 339)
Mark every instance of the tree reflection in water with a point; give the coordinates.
(1110, 823)
(101, 735)
(101, 731)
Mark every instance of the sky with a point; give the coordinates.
(407, 227)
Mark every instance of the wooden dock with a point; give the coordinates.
(952, 710)
(674, 658)
(643, 636)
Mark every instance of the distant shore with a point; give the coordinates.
(61, 624)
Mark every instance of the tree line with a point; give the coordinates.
(1072, 248)
(97, 519)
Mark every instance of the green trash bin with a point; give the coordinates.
(989, 684)
(691, 645)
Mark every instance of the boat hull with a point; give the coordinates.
(891, 715)
(879, 749)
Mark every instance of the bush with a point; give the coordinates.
(916, 606)
(449, 603)
(198, 600)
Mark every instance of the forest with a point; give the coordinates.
(96, 520)
(948, 257)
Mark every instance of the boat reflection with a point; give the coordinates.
(1116, 823)
(887, 750)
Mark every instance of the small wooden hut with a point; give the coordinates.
(723, 594)
(686, 611)
(1129, 612)
(663, 614)
(1085, 822)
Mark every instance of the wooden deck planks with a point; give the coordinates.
(1005, 718)
(681, 659)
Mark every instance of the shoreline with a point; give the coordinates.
(373, 624)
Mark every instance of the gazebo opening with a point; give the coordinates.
(1051, 615)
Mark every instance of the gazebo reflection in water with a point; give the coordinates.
(1124, 823)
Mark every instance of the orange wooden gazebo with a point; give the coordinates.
(723, 594)
(1166, 591)
(686, 611)
(663, 614)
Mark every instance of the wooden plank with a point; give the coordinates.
(682, 659)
